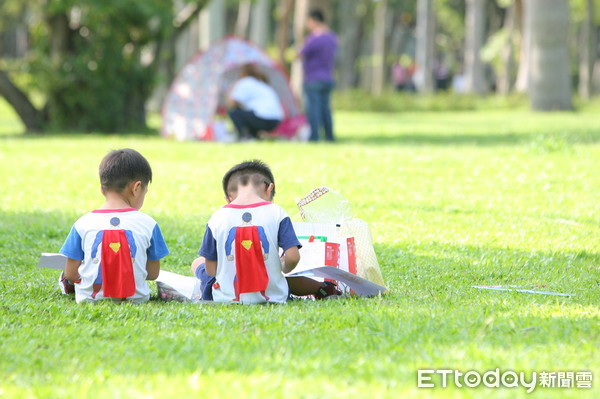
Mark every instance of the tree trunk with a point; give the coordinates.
(260, 29)
(185, 39)
(547, 23)
(212, 23)
(522, 82)
(30, 116)
(596, 69)
(58, 25)
(284, 14)
(475, 35)
(508, 61)
(400, 36)
(300, 15)
(425, 46)
(349, 38)
(365, 77)
(588, 50)
(243, 18)
(379, 48)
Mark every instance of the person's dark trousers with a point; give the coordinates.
(318, 108)
(248, 124)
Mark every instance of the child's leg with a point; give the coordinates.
(301, 286)
(196, 263)
(206, 281)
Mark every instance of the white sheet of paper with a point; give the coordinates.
(52, 261)
(182, 284)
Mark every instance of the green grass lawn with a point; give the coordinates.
(453, 200)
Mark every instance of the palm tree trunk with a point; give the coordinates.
(243, 18)
(284, 13)
(425, 45)
(587, 55)
(379, 48)
(300, 15)
(547, 22)
(349, 39)
(522, 82)
(508, 60)
(474, 68)
(212, 23)
(260, 26)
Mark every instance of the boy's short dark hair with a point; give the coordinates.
(317, 15)
(121, 167)
(255, 171)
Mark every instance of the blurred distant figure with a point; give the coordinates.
(254, 106)
(442, 76)
(458, 82)
(318, 58)
(402, 74)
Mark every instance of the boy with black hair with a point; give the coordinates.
(113, 250)
(251, 271)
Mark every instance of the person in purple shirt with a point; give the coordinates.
(318, 59)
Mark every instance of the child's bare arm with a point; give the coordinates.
(153, 269)
(291, 257)
(72, 270)
(211, 267)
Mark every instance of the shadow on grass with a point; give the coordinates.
(546, 140)
(150, 133)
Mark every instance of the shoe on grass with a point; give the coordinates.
(66, 287)
(328, 291)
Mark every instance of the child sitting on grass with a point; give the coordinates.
(239, 260)
(113, 250)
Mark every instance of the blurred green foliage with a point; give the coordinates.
(92, 59)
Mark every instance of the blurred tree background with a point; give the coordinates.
(101, 65)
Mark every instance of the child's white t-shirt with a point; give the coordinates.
(84, 242)
(238, 237)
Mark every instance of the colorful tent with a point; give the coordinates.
(195, 104)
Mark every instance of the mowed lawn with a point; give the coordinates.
(453, 200)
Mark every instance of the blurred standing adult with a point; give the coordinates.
(318, 61)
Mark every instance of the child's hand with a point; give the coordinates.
(229, 257)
